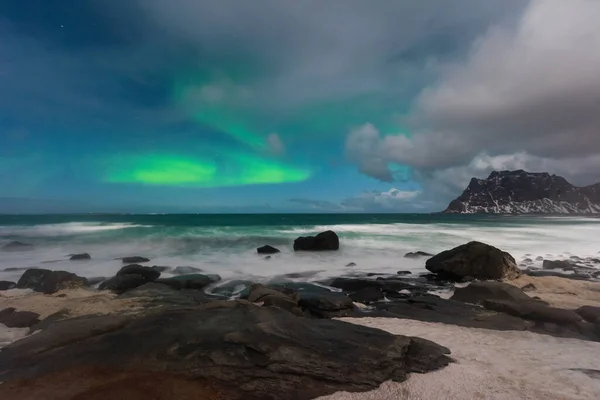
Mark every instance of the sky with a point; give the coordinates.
(275, 106)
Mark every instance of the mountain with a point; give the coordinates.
(521, 192)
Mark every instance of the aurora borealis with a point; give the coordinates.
(285, 106)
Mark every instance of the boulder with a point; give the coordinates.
(134, 259)
(18, 319)
(15, 245)
(47, 281)
(589, 313)
(160, 268)
(156, 294)
(81, 256)
(354, 284)
(191, 281)
(478, 292)
(351, 264)
(404, 273)
(186, 271)
(535, 311)
(257, 292)
(149, 273)
(7, 285)
(474, 259)
(575, 276)
(417, 254)
(122, 283)
(264, 352)
(267, 249)
(327, 240)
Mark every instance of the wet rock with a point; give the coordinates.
(535, 311)
(404, 273)
(149, 273)
(527, 260)
(558, 264)
(231, 288)
(326, 304)
(192, 281)
(576, 276)
(354, 284)
(7, 285)
(352, 264)
(134, 259)
(367, 295)
(474, 259)
(589, 313)
(539, 258)
(17, 246)
(266, 249)
(327, 240)
(18, 319)
(81, 256)
(257, 292)
(47, 281)
(528, 287)
(186, 270)
(417, 254)
(478, 292)
(293, 287)
(157, 294)
(265, 352)
(122, 283)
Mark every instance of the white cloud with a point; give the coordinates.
(274, 144)
(526, 96)
(391, 200)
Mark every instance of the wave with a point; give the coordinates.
(68, 228)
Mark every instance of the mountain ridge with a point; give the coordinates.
(522, 192)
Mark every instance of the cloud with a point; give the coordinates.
(391, 200)
(275, 145)
(526, 95)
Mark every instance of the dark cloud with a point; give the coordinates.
(526, 96)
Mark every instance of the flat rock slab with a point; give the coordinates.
(265, 352)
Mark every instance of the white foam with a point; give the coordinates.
(491, 365)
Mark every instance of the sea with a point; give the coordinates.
(226, 244)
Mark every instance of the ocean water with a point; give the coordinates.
(226, 244)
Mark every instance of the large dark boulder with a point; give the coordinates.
(327, 240)
(122, 283)
(47, 281)
(267, 249)
(474, 259)
(192, 281)
(589, 313)
(264, 352)
(149, 273)
(18, 319)
(478, 292)
(134, 259)
(15, 245)
(326, 304)
(7, 285)
(81, 256)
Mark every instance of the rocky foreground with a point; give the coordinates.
(185, 337)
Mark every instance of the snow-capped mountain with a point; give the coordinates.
(521, 192)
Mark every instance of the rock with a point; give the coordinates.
(474, 259)
(191, 281)
(417, 254)
(352, 264)
(293, 287)
(231, 288)
(7, 285)
(186, 270)
(17, 246)
(149, 273)
(267, 258)
(527, 260)
(579, 277)
(46, 281)
(367, 295)
(539, 258)
(160, 269)
(266, 249)
(134, 259)
(558, 264)
(258, 292)
(535, 311)
(327, 240)
(528, 287)
(354, 284)
(157, 294)
(82, 256)
(18, 319)
(122, 283)
(264, 352)
(326, 304)
(478, 292)
(589, 313)
(404, 273)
